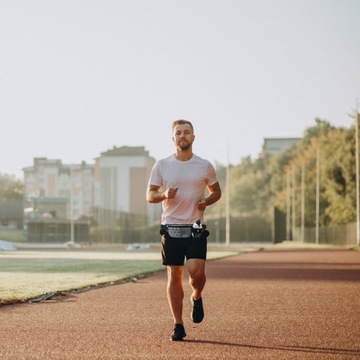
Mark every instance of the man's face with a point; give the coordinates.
(183, 136)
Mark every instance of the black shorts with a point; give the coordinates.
(174, 251)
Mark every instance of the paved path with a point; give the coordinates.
(272, 304)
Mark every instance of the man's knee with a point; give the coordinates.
(175, 273)
(196, 268)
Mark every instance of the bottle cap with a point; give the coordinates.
(197, 225)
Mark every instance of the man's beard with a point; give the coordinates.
(184, 145)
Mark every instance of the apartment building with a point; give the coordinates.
(115, 184)
(60, 190)
(121, 176)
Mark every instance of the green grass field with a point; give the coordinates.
(26, 274)
(13, 235)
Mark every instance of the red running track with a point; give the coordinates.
(272, 304)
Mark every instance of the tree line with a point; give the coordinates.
(319, 172)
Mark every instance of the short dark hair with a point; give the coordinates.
(181, 122)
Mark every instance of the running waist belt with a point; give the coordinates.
(181, 231)
(176, 231)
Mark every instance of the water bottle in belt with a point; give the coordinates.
(197, 229)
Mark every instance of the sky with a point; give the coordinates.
(78, 77)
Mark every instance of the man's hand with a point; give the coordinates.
(155, 195)
(170, 192)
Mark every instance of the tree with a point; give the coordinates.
(11, 189)
(251, 187)
(340, 179)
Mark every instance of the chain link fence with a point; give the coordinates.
(342, 235)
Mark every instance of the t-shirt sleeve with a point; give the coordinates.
(155, 175)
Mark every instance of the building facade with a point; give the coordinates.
(275, 145)
(121, 176)
(58, 190)
(115, 184)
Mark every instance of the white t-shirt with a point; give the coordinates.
(191, 178)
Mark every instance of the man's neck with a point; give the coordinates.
(183, 155)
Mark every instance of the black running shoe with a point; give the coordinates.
(197, 313)
(178, 333)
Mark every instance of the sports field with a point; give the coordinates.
(26, 274)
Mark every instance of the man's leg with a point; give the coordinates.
(175, 291)
(197, 279)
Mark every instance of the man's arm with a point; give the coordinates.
(154, 195)
(213, 197)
